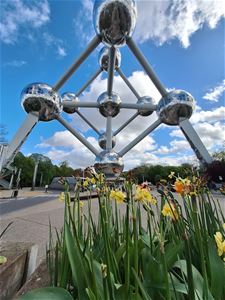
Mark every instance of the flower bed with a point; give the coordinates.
(179, 254)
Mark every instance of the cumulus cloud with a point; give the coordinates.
(217, 114)
(215, 93)
(167, 20)
(18, 14)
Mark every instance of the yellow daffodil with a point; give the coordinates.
(117, 196)
(220, 243)
(85, 183)
(143, 194)
(62, 197)
(171, 175)
(169, 210)
(93, 181)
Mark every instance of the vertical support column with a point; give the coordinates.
(109, 133)
(11, 181)
(111, 67)
(18, 178)
(34, 176)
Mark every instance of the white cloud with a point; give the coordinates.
(57, 44)
(15, 63)
(61, 51)
(176, 146)
(215, 93)
(17, 14)
(166, 20)
(217, 114)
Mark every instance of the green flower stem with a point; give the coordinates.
(127, 255)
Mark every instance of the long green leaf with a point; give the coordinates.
(217, 271)
(197, 278)
(77, 264)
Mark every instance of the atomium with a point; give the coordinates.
(145, 100)
(109, 163)
(175, 107)
(109, 106)
(103, 58)
(69, 97)
(114, 20)
(102, 141)
(40, 97)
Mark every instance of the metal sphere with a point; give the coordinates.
(145, 100)
(102, 141)
(69, 97)
(103, 58)
(115, 20)
(175, 107)
(109, 163)
(109, 105)
(40, 97)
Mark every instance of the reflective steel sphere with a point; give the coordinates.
(115, 20)
(103, 58)
(109, 105)
(109, 163)
(177, 106)
(102, 141)
(42, 98)
(145, 100)
(69, 97)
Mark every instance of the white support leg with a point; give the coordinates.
(9, 153)
(195, 142)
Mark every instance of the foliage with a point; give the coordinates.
(46, 170)
(155, 173)
(177, 255)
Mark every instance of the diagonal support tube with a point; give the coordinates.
(78, 136)
(140, 137)
(111, 67)
(126, 123)
(10, 152)
(109, 133)
(122, 75)
(88, 122)
(148, 69)
(91, 46)
(195, 142)
(88, 82)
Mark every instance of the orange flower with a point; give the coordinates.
(179, 186)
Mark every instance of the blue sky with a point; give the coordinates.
(183, 40)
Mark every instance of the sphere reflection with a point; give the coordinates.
(69, 97)
(40, 97)
(103, 58)
(115, 20)
(102, 141)
(177, 106)
(145, 100)
(109, 105)
(109, 163)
